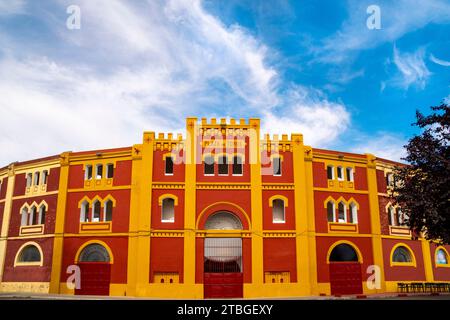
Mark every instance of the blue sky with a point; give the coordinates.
(311, 67)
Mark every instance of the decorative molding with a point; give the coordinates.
(95, 227)
(32, 230)
(163, 185)
(279, 234)
(342, 227)
(167, 233)
(224, 186)
(278, 186)
(399, 231)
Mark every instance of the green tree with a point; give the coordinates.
(423, 186)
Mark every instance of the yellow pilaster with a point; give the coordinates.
(304, 216)
(6, 218)
(190, 205)
(140, 217)
(256, 204)
(427, 260)
(375, 222)
(58, 242)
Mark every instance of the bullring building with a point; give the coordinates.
(221, 212)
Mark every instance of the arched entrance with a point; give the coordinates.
(345, 270)
(223, 276)
(94, 261)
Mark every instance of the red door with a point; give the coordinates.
(95, 278)
(223, 285)
(345, 278)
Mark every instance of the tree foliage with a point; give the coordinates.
(423, 188)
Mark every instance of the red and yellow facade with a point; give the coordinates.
(153, 257)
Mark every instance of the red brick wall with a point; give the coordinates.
(28, 273)
(280, 256)
(166, 255)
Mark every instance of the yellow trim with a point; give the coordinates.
(276, 155)
(218, 203)
(165, 196)
(354, 246)
(402, 264)
(108, 197)
(85, 198)
(171, 155)
(25, 206)
(447, 265)
(102, 243)
(35, 263)
(280, 197)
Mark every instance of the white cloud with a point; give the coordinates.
(10, 7)
(439, 61)
(310, 113)
(397, 19)
(144, 66)
(383, 145)
(412, 68)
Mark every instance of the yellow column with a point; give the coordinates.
(6, 218)
(427, 260)
(256, 205)
(58, 242)
(304, 216)
(140, 217)
(190, 150)
(375, 221)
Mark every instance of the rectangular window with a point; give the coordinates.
(109, 171)
(209, 165)
(237, 165)
(169, 166)
(340, 173)
(278, 211)
(330, 172)
(349, 174)
(99, 171)
(88, 172)
(36, 178)
(168, 210)
(44, 177)
(276, 163)
(223, 165)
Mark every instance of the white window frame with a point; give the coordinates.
(242, 166)
(281, 166)
(162, 211)
(345, 213)
(107, 167)
(284, 211)
(84, 212)
(24, 217)
(94, 219)
(351, 177)
(333, 176)
(104, 210)
(353, 211)
(341, 170)
(165, 166)
(86, 171)
(97, 171)
(334, 210)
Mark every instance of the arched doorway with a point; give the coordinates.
(345, 270)
(223, 276)
(94, 261)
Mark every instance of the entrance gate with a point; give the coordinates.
(345, 271)
(223, 277)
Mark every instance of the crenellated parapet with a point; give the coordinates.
(167, 142)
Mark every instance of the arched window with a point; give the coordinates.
(353, 213)
(168, 210)
(209, 165)
(24, 218)
(342, 216)
(343, 252)
(84, 213)
(331, 215)
(108, 210)
(223, 220)
(94, 253)
(441, 257)
(33, 218)
(96, 210)
(223, 165)
(401, 254)
(42, 211)
(278, 215)
(29, 253)
(237, 165)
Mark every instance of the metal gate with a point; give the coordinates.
(223, 277)
(95, 278)
(345, 278)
